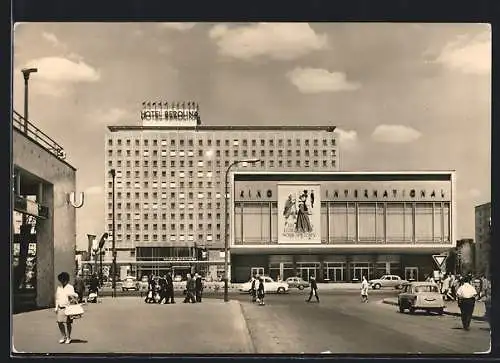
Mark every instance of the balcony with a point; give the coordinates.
(34, 133)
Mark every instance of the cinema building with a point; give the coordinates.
(340, 226)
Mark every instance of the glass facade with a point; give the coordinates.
(353, 222)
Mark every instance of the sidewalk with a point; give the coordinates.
(128, 325)
(451, 308)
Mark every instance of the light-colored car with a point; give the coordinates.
(270, 286)
(421, 296)
(130, 283)
(297, 282)
(392, 281)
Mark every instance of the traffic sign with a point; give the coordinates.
(439, 259)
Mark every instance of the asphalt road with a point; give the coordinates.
(340, 323)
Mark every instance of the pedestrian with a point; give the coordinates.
(198, 287)
(253, 288)
(150, 296)
(261, 291)
(487, 299)
(314, 289)
(466, 294)
(445, 287)
(162, 282)
(65, 295)
(79, 287)
(93, 289)
(190, 289)
(170, 289)
(364, 290)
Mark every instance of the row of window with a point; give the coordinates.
(137, 206)
(218, 163)
(155, 195)
(235, 142)
(163, 216)
(218, 153)
(155, 227)
(165, 238)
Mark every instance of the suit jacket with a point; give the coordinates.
(314, 285)
(199, 284)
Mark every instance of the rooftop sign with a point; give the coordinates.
(172, 114)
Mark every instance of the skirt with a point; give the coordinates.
(61, 317)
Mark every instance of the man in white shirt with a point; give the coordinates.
(466, 295)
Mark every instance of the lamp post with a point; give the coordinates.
(113, 174)
(26, 75)
(226, 225)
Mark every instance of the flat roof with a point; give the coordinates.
(343, 175)
(325, 128)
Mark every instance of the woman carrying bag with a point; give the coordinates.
(66, 312)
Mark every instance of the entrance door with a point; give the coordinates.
(338, 274)
(411, 273)
(359, 272)
(307, 272)
(257, 271)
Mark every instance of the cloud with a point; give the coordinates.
(278, 41)
(316, 80)
(94, 190)
(63, 70)
(110, 116)
(347, 138)
(178, 26)
(51, 38)
(468, 55)
(395, 134)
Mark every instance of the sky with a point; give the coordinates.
(402, 96)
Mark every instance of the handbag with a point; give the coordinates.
(74, 311)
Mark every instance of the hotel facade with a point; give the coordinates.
(340, 226)
(170, 185)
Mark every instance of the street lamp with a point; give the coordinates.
(26, 75)
(226, 225)
(113, 174)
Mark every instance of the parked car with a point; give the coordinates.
(270, 286)
(421, 296)
(130, 283)
(393, 281)
(297, 282)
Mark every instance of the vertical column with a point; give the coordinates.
(18, 183)
(282, 270)
(348, 268)
(294, 264)
(39, 197)
(45, 271)
(321, 268)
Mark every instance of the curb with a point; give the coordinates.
(474, 317)
(249, 345)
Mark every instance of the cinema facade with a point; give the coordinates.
(340, 226)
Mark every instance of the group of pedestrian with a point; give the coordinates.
(194, 289)
(257, 289)
(161, 290)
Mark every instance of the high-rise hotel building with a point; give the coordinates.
(170, 183)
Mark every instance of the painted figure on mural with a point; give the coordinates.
(290, 212)
(303, 224)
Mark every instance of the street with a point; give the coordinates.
(340, 323)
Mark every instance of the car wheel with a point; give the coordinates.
(440, 311)
(376, 286)
(281, 290)
(301, 287)
(401, 307)
(123, 289)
